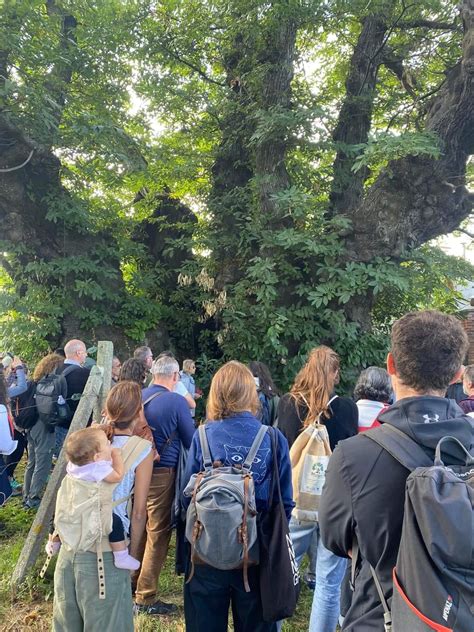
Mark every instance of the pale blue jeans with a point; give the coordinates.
(330, 570)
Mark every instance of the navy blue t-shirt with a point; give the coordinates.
(165, 414)
(229, 442)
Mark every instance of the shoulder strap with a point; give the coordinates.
(206, 454)
(69, 369)
(167, 443)
(402, 447)
(254, 448)
(132, 450)
(332, 399)
(152, 397)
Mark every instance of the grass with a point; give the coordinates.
(31, 608)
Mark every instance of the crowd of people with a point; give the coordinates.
(151, 467)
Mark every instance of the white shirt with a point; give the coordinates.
(7, 444)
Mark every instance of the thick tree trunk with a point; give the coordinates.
(355, 116)
(232, 172)
(275, 98)
(416, 199)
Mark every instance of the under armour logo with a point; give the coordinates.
(429, 419)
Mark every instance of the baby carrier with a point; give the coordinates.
(83, 514)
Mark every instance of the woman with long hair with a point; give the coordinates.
(312, 400)
(77, 603)
(231, 429)
(41, 441)
(267, 392)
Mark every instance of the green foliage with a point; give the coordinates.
(386, 147)
(148, 105)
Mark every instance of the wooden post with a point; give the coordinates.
(39, 529)
(105, 353)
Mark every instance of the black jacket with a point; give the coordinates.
(344, 422)
(365, 492)
(76, 382)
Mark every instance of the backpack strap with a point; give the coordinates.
(152, 397)
(206, 453)
(403, 448)
(254, 448)
(69, 369)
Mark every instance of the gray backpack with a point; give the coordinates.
(221, 521)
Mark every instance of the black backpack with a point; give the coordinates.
(24, 409)
(433, 581)
(51, 398)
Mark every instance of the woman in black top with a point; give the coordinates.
(312, 400)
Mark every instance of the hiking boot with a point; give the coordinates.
(159, 607)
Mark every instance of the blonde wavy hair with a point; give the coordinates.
(315, 382)
(46, 365)
(232, 391)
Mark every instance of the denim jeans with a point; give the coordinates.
(60, 434)
(40, 454)
(330, 571)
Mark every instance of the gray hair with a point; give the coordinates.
(72, 347)
(374, 383)
(165, 366)
(142, 353)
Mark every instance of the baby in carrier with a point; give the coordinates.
(91, 459)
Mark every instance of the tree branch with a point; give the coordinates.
(23, 164)
(466, 232)
(428, 24)
(395, 64)
(191, 65)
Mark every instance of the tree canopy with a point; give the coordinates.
(231, 178)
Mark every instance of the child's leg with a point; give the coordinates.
(117, 543)
(117, 535)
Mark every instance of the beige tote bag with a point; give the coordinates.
(309, 457)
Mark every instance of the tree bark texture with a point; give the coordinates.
(355, 116)
(270, 168)
(416, 199)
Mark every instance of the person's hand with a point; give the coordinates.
(16, 363)
(52, 546)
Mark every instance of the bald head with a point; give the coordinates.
(75, 350)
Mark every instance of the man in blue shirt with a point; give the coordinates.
(168, 416)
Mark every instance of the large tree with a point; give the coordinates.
(319, 145)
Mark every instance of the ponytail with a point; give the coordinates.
(109, 429)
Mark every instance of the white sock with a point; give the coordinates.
(122, 559)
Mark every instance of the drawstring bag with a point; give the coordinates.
(309, 457)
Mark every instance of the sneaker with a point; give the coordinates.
(32, 503)
(16, 487)
(310, 581)
(159, 607)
